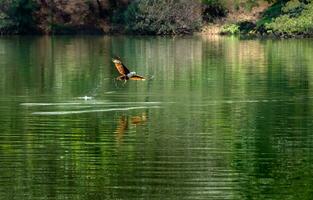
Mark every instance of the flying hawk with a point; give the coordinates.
(125, 74)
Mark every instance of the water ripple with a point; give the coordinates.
(91, 111)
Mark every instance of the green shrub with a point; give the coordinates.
(230, 29)
(5, 24)
(270, 14)
(163, 17)
(17, 16)
(293, 8)
(290, 24)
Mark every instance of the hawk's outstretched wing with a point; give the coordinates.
(121, 68)
(137, 78)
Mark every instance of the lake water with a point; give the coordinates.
(218, 118)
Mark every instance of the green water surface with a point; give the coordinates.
(219, 118)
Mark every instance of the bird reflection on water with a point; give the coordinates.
(126, 123)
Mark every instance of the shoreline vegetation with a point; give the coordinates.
(265, 18)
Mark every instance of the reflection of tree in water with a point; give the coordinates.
(212, 131)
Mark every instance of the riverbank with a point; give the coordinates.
(236, 21)
(281, 18)
(290, 19)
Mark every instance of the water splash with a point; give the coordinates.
(85, 98)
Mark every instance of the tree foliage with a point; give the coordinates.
(163, 17)
(160, 17)
(213, 9)
(16, 16)
(297, 18)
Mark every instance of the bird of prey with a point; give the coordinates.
(125, 74)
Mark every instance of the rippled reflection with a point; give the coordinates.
(222, 119)
(124, 123)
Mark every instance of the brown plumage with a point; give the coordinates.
(136, 78)
(125, 74)
(121, 68)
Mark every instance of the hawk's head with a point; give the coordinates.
(116, 60)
